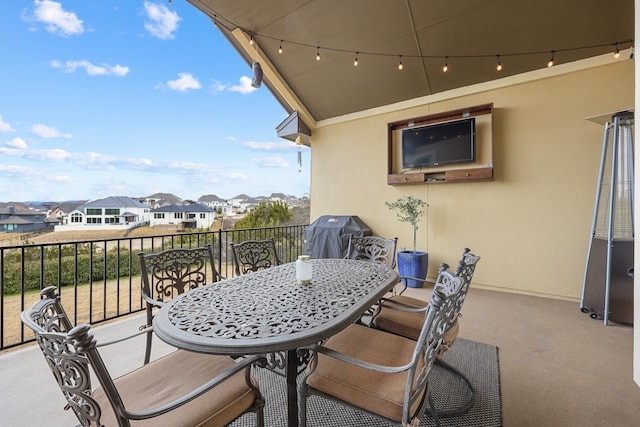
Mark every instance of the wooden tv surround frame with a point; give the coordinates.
(479, 173)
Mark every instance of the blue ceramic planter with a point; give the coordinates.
(413, 264)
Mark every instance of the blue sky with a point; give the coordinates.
(130, 98)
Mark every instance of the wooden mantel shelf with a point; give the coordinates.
(449, 176)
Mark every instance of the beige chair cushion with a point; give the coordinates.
(404, 323)
(172, 376)
(409, 324)
(376, 392)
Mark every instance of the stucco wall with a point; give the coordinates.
(531, 225)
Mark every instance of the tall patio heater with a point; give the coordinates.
(607, 290)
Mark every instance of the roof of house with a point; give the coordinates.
(67, 207)
(170, 198)
(115, 201)
(210, 198)
(193, 207)
(15, 220)
(20, 212)
(280, 196)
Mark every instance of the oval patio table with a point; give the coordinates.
(268, 312)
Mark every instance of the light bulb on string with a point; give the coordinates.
(499, 64)
(355, 61)
(318, 53)
(280, 47)
(551, 61)
(251, 39)
(445, 67)
(400, 66)
(617, 52)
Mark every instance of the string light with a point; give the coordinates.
(625, 43)
(551, 61)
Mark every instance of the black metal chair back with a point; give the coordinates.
(254, 255)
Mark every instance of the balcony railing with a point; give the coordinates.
(99, 280)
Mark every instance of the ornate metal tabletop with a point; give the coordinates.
(268, 311)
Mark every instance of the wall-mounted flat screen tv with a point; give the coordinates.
(439, 144)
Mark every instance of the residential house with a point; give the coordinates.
(61, 211)
(14, 220)
(240, 203)
(157, 200)
(181, 217)
(110, 213)
(215, 203)
(546, 79)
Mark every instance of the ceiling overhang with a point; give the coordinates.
(469, 36)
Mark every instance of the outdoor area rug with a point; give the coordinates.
(478, 361)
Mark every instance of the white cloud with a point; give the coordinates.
(184, 82)
(16, 147)
(16, 171)
(187, 167)
(283, 146)
(44, 131)
(17, 143)
(97, 161)
(61, 178)
(56, 19)
(244, 87)
(92, 69)
(163, 23)
(4, 126)
(270, 162)
(57, 154)
(218, 87)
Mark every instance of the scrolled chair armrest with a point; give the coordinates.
(317, 348)
(404, 279)
(144, 329)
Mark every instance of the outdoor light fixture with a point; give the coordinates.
(257, 74)
(251, 35)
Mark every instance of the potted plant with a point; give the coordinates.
(411, 263)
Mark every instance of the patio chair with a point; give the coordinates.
(254, 255)
(402, 315)
(382, 374)
(181, 388)
(373, 248)
(170, 273)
